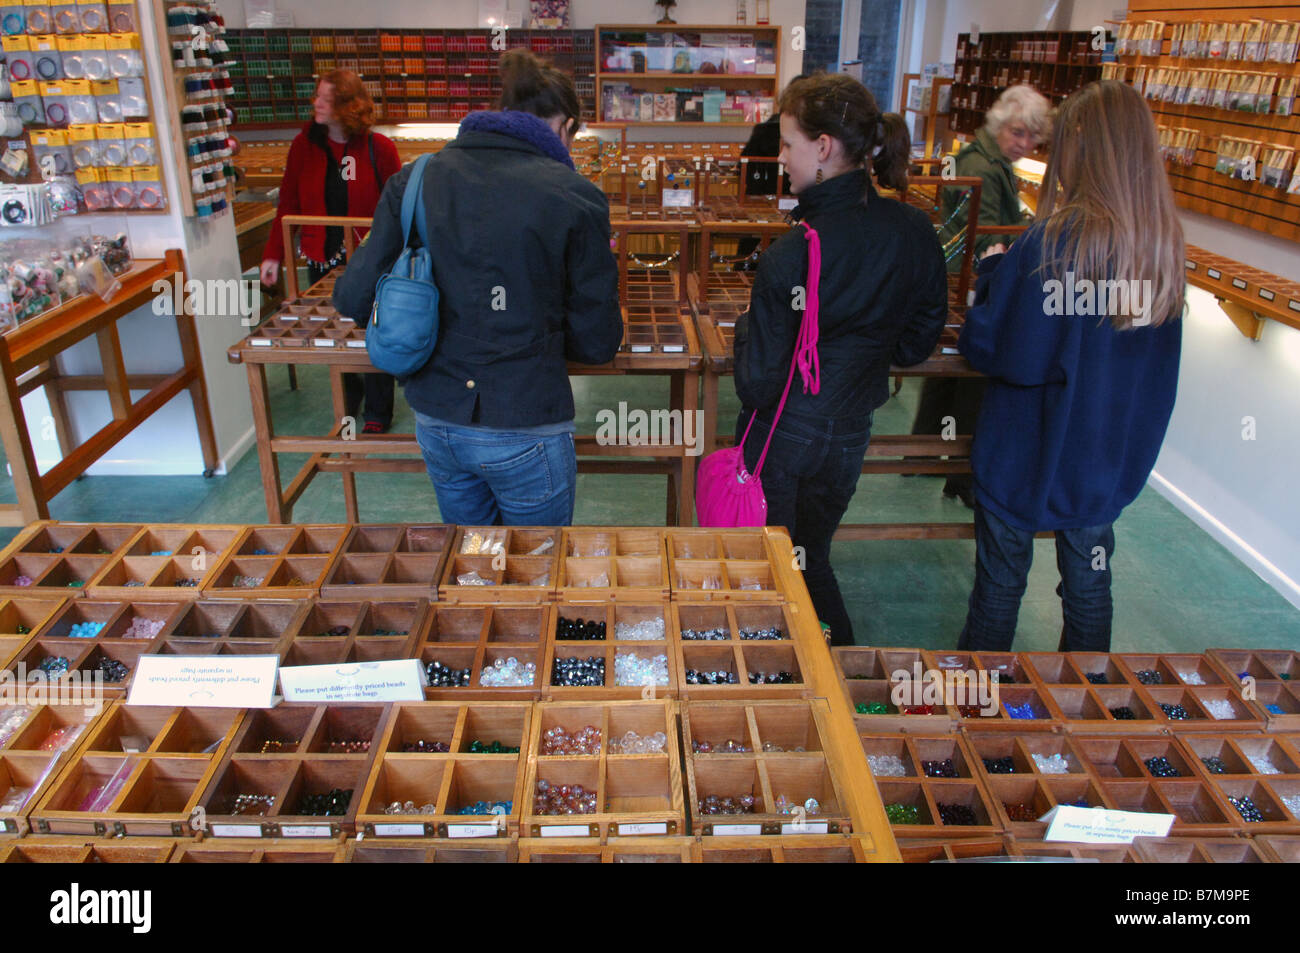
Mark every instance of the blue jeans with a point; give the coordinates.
(490, 478)
(809, 477)
(1003, 555)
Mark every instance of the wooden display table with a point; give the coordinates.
(29, 359)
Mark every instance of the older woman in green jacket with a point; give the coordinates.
(1013, 128)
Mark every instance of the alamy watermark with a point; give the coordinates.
(653, 428)
(1084, 297)
(935, 687)
(34, 688)
(211, 298)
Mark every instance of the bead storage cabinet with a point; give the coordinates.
(464, 641)
(1264, 768)
(1027, 774)
(1014, 699)
(140, 770)
(35, 742)
(514, 564)
(734, 640)
(783, 781)
(438, 755)
(630, 662)
(393, 561)
(636, 795)
(294, 771)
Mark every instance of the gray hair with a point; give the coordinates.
(1022, 104)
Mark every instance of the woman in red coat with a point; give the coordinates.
(336, 166)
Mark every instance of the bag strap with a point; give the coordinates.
(805, 356)
(374, 165)
(413, 204)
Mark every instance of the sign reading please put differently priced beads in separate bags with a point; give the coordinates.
(205, 681)
(1095, 825)
(401, 680)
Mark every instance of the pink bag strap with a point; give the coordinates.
(805, 345)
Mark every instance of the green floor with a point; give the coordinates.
(1175, 588)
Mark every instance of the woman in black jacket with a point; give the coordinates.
(521, 256)
(884, 297)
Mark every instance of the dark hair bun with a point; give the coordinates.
(530, 86)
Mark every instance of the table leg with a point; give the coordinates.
(349, 478)
(18, 449)
(261, 400)
(686, 515)
(710, 411)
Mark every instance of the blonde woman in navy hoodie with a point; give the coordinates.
(1078, 333)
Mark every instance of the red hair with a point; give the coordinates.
(353, 107)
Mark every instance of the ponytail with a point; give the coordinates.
(891, 163)
(530, 86)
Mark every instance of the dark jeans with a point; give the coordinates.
(956, 397)
(809, 477)
(1003, 555)
(377, 390)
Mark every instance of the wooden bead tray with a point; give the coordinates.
(149, 765)
(622, 850)
(188, 554)
(516, 562)
(30, 614)
(710, 565)
(612, 614)
(868, 676)
(227, 627)
(1278, 849)
(308, 323)
(764, 774)
(236, 850)
(734, 654)
(613, 564)
(76, 850)
(464, 636)
(301, 764)
(1274, 677)
(393, 561)
(449, 781)
(1200, 850)
(428, 851)
(25, 762)
(638, 795)
(291, 561)
(791, 849)
(312, 645)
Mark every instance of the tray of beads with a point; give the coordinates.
(19, 618)
(89, 642)
(35, 740)
(1076, 853)
(254, 851)
(448, 770)
(76, 850)
(610, 650)
(398, 850)
(922, 851)
(486, 652)
(138, 770)
(1242, 756)
(737, 650)
(791, 849)
(502, 564)
(1278, 849)
(229, 627)
(341, 632)
(1200, 708)
(296, 770)
(1279, 702)
(1168, 669)
(308, 323)
(164, 562)
(757, 768)
(286, 562)
(1197, 808)
(1120, 709)
(981, 690)
(1201, 850)
(870, 677)
(622, 850)
(49, 537)
(613, 564)
(1261, 804)
(706, 566)
(49, 574)
(389, 561)
(1260, 665)
(604, 770)
(655, 327)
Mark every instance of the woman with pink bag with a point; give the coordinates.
(876, 295)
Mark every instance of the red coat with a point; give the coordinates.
(302, 190)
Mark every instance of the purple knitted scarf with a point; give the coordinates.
(519, 125)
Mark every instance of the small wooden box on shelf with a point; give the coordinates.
(502, 564)
(35, 742)
(138, 770)
(407, 771)
(394, 561)
(78, 850)
(615, 564)
(227, 627)
(785, 770)
(251, 851)
(637, 795)
(627, 660)
(869, 677)
(1273, 675)
(284, 562)
(728, 566)
(295, 771)
(470, 640)
(166, 561)
(345, 632)
(725, 640)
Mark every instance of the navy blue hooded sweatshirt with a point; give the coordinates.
(1075, 411)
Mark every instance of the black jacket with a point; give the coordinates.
(521, 257)
(884, 298)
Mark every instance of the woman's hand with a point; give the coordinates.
(998, 249)
(270, 272)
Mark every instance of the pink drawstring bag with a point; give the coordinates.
(727, 495)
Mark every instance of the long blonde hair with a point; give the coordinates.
(1106, 201)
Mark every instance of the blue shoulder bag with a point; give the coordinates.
(403, 326)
